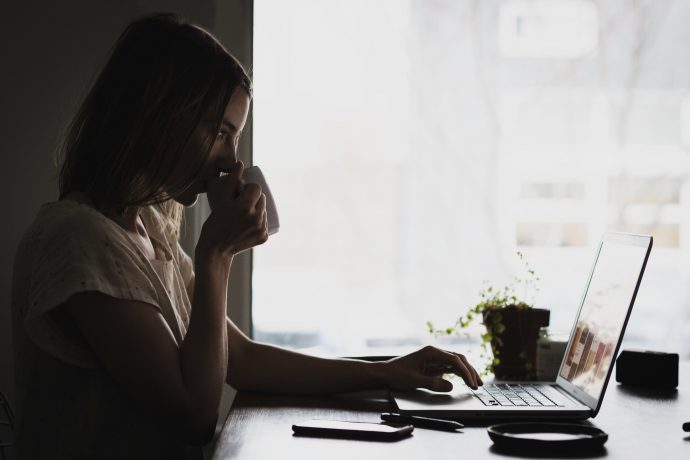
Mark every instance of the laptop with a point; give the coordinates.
(586, 367)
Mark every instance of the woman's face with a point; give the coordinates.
(223, 154)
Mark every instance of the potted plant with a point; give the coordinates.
(512, 325)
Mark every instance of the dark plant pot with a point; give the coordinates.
(515, 344)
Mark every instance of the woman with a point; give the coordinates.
(122, 344)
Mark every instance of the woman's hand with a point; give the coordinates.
(425, 368)
(238, 215)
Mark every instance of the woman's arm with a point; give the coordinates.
(137, 348)
(260, 367)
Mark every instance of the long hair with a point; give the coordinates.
(129, 143)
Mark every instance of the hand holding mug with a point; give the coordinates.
(238, 218)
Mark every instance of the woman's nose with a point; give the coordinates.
(227, 157)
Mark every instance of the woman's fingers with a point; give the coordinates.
(260, 206)
(464, 370)
(237, 171)
(436, 384)
(239, 219)
(469, 366)
(425, 368)
(250, 196)
(262, 227)
(455, 364)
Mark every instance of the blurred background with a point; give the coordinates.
(414, 146)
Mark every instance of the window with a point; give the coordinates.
(548, 29)
(413, 147)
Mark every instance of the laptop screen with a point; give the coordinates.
(602, 315)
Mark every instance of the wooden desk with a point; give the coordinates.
(641, 425)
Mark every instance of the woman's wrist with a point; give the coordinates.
(379, 373)
(208, 258)
(209, 246)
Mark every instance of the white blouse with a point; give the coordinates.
(68, 406)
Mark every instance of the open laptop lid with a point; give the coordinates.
(603, 315)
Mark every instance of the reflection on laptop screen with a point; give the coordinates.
(606, 302)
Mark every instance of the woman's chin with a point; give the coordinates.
(187, 200)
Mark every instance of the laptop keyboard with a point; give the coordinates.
(510, 394)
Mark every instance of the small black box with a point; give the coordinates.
(652, 369)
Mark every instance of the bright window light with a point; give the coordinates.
(564, 29)
(414, 146)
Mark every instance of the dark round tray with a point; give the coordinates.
(554, 436)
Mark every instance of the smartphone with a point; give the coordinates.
(352, 430)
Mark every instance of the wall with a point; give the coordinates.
(51, 52)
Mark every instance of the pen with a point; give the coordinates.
(422, 422)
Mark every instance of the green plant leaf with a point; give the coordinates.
(492, 300)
